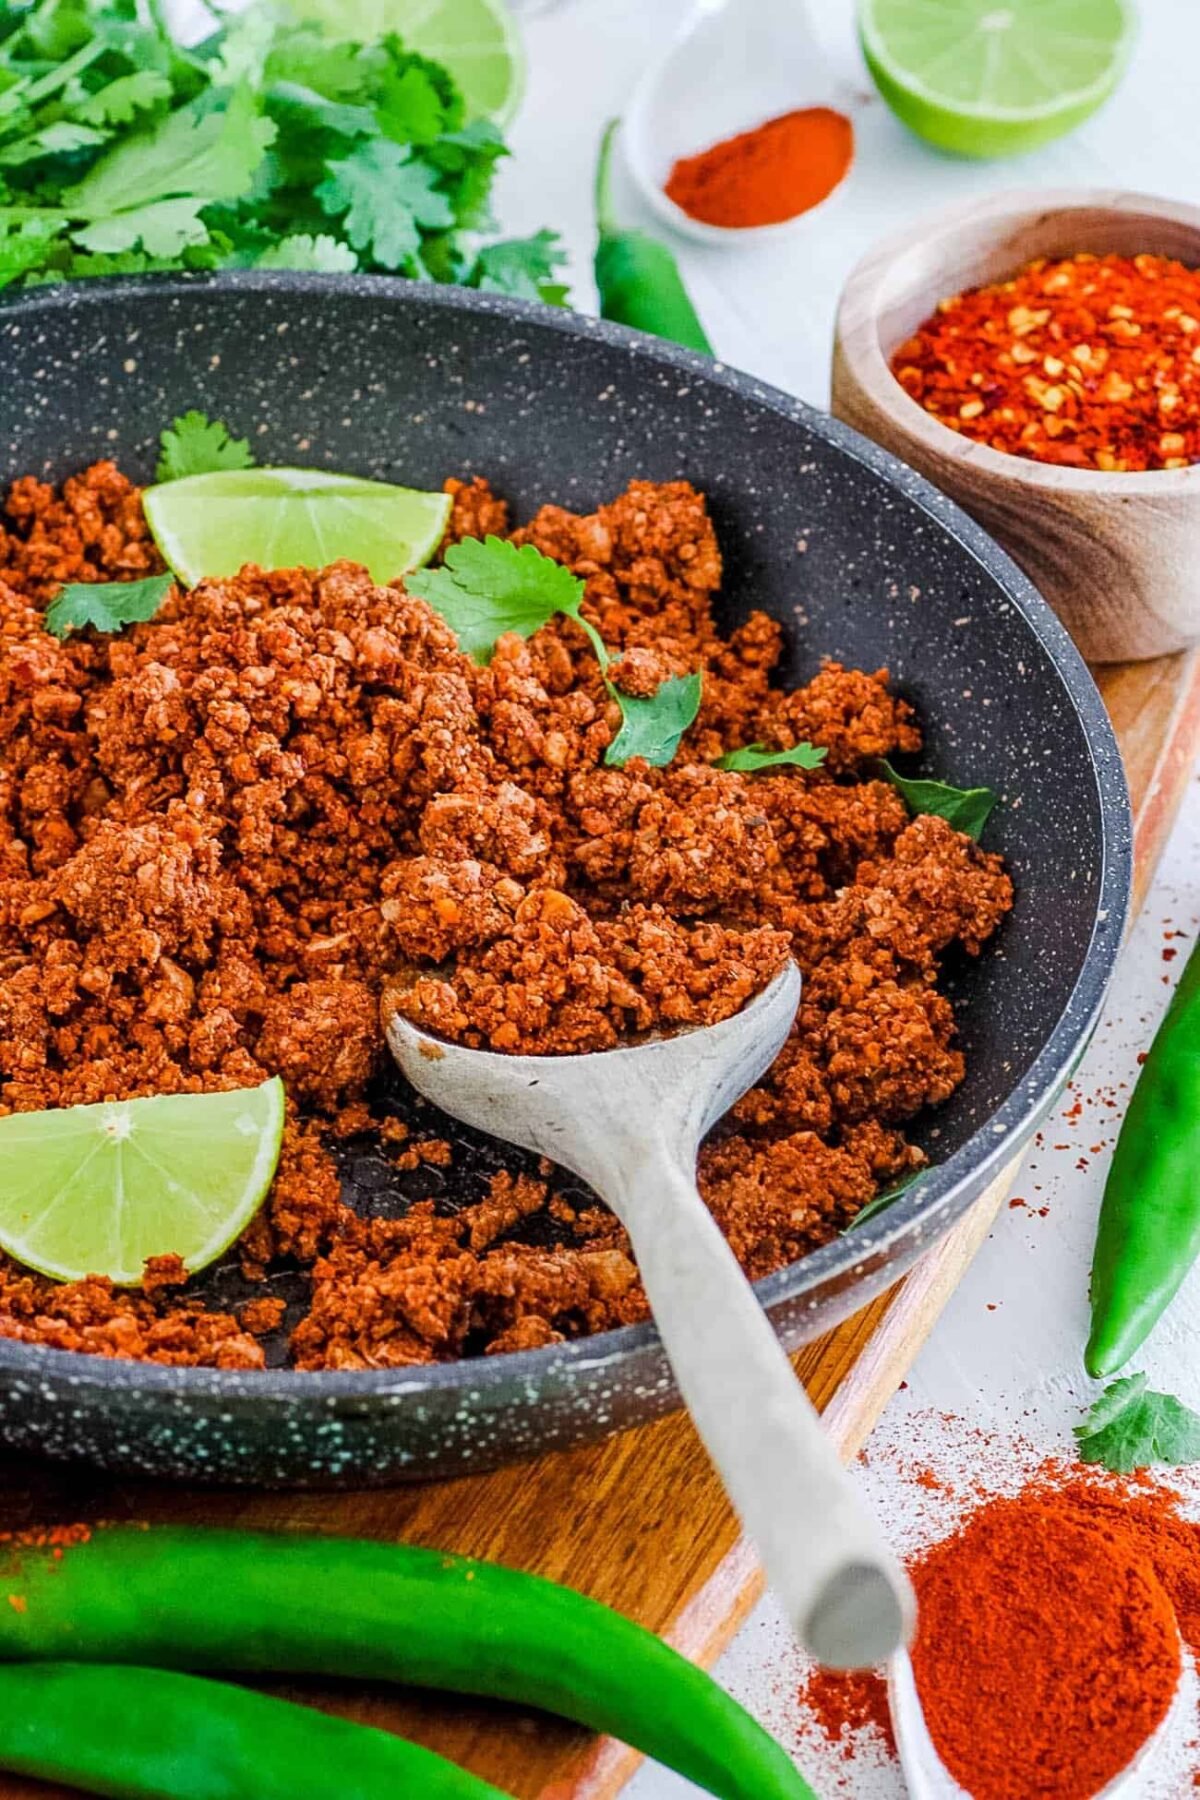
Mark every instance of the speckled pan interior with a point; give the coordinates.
(859, 558)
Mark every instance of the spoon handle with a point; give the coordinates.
(846, 1596)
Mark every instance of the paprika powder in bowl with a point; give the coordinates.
(736, 134)
(1111, 549)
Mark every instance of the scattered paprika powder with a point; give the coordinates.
(767, 175)
(1092, 362)
(1047, 1649)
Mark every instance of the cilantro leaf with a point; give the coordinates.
(887, 1198)
(161, 228)
(106, 605)
(753, 757)
(26, 247)
(128, 152)
(322, 253)
(467, 159)
(305, 54)
(523, 267)
(1130, 1427)
(967, 809)
(294, 105)
(120, 100)
(485, 589)
(60, 139)
(194, 153)
(386, 196)
(194, 444)
(654, 726)
(411, 109)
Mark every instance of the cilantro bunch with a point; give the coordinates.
(267, 146)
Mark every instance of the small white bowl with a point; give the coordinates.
(734, 65)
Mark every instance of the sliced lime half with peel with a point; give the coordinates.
(477, 40)
(95, 1190)
(995, 77)
(291, 519)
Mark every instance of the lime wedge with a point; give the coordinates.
(291, 519)
(995, 77)
(95, 1190)
(477, 40)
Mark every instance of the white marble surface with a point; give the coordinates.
(1006, 1353)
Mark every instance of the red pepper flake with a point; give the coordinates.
(1091, 362)
(45, 1537)
(18, 1602)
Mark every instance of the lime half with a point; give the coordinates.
(477, 40)
(291, 519)
(995, 77)
(95, 1190)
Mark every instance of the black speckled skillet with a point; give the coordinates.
(860, 558)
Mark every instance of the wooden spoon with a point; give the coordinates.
(629, 1122)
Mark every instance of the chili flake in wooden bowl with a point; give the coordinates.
(1036, 355)
(1089, 361)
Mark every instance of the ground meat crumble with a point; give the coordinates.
(225, 835)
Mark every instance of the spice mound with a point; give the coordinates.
(1091, 362)
(768, 175)
(226, 830)
(1048, 1637)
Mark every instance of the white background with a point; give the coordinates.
(1005, 1356)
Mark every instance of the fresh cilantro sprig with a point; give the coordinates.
(754, 757)
(272, 145)
(1131, 1427)
(194, 444)
(106, 605)
(487, 588)
(967, 809)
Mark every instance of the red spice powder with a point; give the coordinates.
(767, 175)
(1048, 1644)
(1092, 362)
(844, 1703)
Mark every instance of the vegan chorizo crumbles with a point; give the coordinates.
(231, 834)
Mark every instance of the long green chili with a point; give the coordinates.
(259, 1603)
(637, 278)
(1149, 1231)
(145, 1734)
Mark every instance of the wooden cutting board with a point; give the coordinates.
(639, 1521)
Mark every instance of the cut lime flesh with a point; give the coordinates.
(988, 78)
(213, 525)
(477, 40)
(95, 1190)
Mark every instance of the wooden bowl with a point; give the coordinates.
(1116, 555)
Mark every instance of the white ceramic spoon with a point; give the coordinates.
(926, 1774)
(734, 64)
(629, 1122)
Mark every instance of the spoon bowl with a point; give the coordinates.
(629, 1122)
(733, 65)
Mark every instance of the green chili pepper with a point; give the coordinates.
(637, 278)
(259, 1603)
(142, 1734)
(1149, 1231)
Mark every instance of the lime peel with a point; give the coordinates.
(994, 77)
(212, 525)
(97, 1189)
